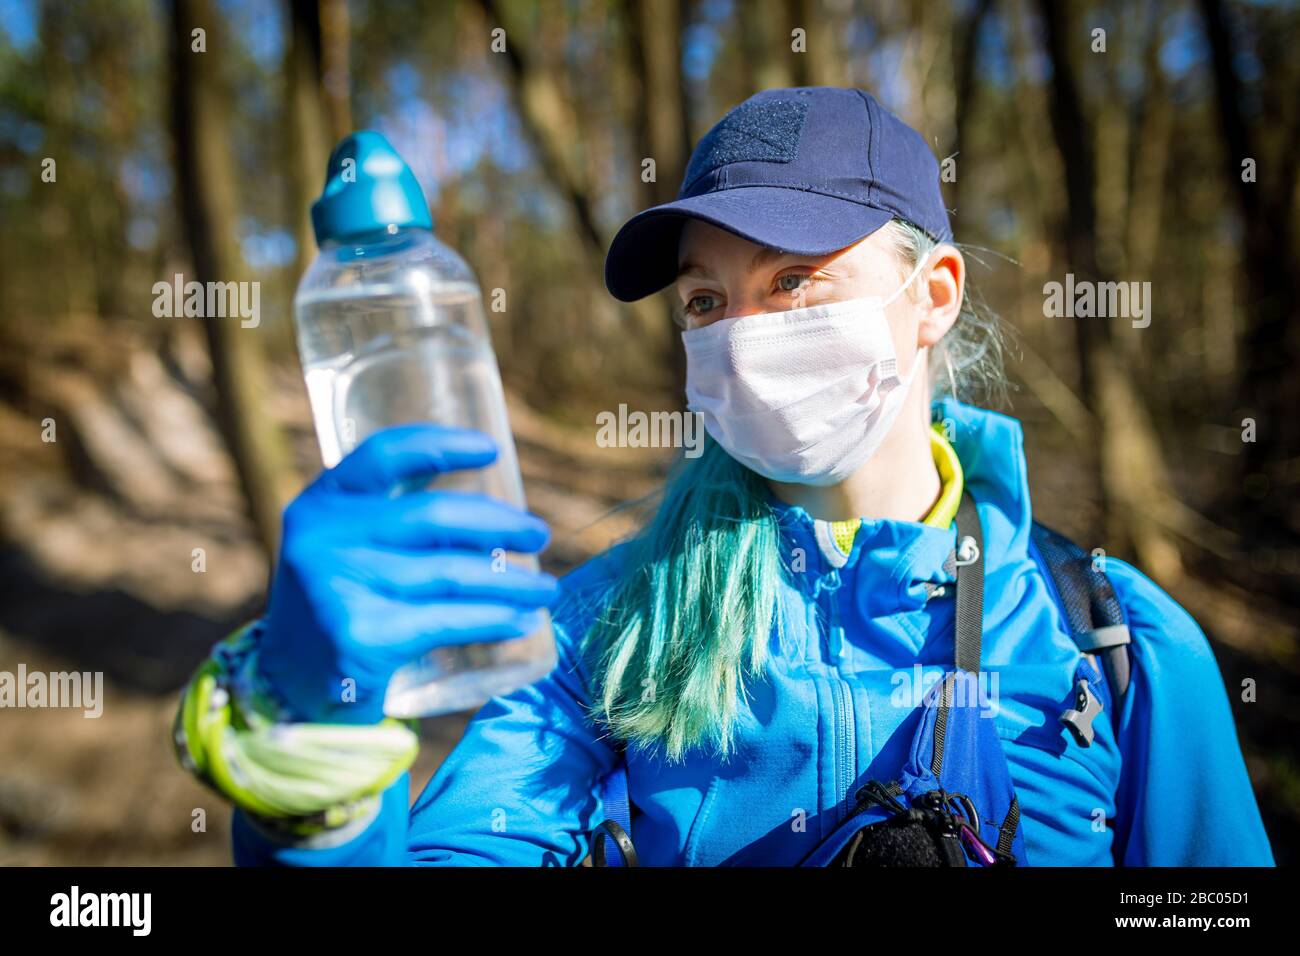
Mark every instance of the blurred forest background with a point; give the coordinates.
(177, 434)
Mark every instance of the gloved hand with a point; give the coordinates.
(368, 580)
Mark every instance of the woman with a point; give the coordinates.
(762, 658)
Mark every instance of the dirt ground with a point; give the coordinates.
(97, 533)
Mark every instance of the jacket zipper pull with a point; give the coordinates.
(835, 636)
(837, 642)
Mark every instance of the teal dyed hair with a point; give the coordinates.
(688, 623)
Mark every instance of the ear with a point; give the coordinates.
(945, 287)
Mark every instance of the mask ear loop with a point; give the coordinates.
(952, 378)
(916, 361)
(908, 281)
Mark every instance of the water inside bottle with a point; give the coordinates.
(389, 358)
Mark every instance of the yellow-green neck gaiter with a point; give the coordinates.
(944, 510)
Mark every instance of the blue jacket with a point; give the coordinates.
(836, 709)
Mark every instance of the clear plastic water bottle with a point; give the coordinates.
(391, 331)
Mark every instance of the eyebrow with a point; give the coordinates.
(693, 269)
(765, 255)
(762, 257)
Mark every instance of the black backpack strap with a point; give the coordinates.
(969, 561)
(1090, 604)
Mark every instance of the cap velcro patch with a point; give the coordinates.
(764, 130)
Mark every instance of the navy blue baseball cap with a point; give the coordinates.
(808, 171)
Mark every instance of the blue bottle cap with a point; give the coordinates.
(368, 188)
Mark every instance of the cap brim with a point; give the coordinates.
(642, 259)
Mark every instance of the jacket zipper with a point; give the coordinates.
(845, 734)
(843, 724)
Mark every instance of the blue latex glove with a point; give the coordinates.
(369, 580)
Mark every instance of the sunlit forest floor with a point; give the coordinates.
(97, 536)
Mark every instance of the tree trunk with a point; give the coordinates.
(965, 48)
(1135, 495)
(765, 45)
(205, 187)
(551, 127)
(822, 64)
(662, 129)
(1269, 386)
(336, 67)
(308, 145)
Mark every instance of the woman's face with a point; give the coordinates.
(722, 276)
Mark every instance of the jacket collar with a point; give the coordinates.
(892, 561)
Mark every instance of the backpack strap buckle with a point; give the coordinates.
(608, 829)
(1079, 718)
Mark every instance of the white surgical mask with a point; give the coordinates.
(804, 396)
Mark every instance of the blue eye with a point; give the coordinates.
(791, 282)
(700, 304)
